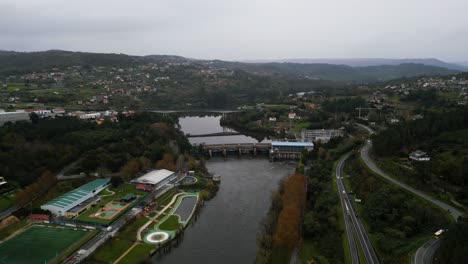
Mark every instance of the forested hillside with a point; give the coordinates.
(24, 62)
(30, 149)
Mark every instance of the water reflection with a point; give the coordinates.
(197, 125)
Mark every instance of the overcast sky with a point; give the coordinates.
(241, 29)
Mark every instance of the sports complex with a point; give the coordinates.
(40, 244)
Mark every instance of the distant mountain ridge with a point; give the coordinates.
(23, 62)
(338, 72)
(364, 62)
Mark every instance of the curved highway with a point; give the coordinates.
(370, 163)
(425, 253)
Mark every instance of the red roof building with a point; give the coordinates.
(43, 217)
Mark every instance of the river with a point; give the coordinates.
(228, 224)
(196, 125)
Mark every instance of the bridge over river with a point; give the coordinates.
(217, 134)
(272, 151)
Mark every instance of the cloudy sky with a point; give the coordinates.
(241, 29)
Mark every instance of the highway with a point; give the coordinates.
(370, 163)
(351, 218)
(425, 253)
(345, 208)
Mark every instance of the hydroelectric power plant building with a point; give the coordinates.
(275, 149)
(289, 150)
(64, 203)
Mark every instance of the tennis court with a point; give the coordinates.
(38, 244)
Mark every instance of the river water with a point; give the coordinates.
(226, 229)
(199, 125)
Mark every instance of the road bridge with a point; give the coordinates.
(217, 134)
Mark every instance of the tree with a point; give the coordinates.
(167, 162)
(34, 118)
(130, 169)
(116, 181)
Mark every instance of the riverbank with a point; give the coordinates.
(156, 229)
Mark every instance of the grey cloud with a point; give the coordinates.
(242, 29)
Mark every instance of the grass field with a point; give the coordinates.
(7, 231)
(38, 244)
(5, 202)
(137, 254)
(111, 250)
(170, 224)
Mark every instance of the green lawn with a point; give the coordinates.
(170, 224)
(130, 230)
(111, 250)
(5, 202)
(29, 246)
(138, 254)
(307, 251)
(6, 232)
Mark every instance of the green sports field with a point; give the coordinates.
(38, 244)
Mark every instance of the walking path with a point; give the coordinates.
(110, 193)
(125, 253)
(153, 219)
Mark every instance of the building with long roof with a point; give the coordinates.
(62, 204)
(156, 178)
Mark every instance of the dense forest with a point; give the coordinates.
(397, 220)
(281, 228)
(126, 146)
(454, 246)
(321, 223)
(444, 136)
(404, 136)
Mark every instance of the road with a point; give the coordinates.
(10, 210)
(347, 220)
(352, 221)
(107, 233)
(370, 163)
(7, 212)
(425, 253)
(370, 130)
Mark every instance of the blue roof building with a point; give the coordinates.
(60, 205)
(291, 147)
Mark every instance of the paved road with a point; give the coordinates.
(370, 130)
(425, 253)
(370, 163)
(345, 208)
(107, 233)
(7, 212)
(352, 213)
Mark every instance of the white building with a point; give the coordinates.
(322, 135)
(419, 155)
(156, 178)
(13, 117)
(90, 116)
(2, 181)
